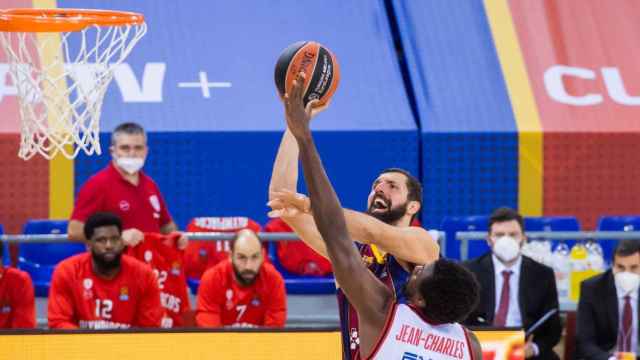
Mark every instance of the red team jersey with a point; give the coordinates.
(17, 301)
(202, 255)
(296, 256)
(78, 298)
(161, 253)
(223, 302)
(141, 207)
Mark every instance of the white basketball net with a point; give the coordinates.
(61, 79)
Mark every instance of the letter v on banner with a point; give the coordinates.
(132, 91)
(525, 111)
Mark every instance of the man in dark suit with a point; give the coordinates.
(516, 291)
(608, 308)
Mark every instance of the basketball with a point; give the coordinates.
(319, 65)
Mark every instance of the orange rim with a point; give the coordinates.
(60, 20)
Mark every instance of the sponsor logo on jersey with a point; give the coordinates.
(124, 205)
(229, 295)
(155, 202)
(87, 284)
(255, 302)
(367, 259)
(411, 356)
(175, 268)
(148, 255)
(124, 293)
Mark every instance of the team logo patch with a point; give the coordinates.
(255, 302)
(148, 255)
(155, 202)
(354, 339)
(5, 309)
(229, 295)
(175, 268)
(124, 293)
(87, 283)
(411, 356)
(124, 205)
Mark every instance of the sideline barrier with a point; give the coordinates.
(211, 236)
(206, 344)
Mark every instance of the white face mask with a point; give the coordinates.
(131, 165)
(627, 281)
(506, 248)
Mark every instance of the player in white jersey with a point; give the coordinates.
(440, 294)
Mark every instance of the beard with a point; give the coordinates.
(246, 277)
(391, 215)
(105, 265)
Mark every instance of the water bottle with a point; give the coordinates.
(595, 256)
(561, 268)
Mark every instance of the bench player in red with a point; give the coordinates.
(17, 301)
(439, 294)
(244, 291)
(102, 288)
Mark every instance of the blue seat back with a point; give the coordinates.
(48, 254)
(6, 257)
(616, 223)
(40, 259)
(553, 223)
(452, 224)
(301, 284)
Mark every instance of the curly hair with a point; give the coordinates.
(450, 294)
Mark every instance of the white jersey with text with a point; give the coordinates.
(409, 336)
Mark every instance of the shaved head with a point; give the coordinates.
(246, 257)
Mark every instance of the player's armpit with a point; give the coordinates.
(411, 244)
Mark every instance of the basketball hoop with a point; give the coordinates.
(61, 62)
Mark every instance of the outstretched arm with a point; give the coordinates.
(411, 244)
(368, 295)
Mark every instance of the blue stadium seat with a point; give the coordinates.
(39, 259)
(193, 285)
(553, 223)
(300, 284)
(6, 258)
(452, 224)
(616, 223)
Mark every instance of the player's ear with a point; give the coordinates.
(413, 207)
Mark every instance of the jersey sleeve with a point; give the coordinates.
(165, 216)
(24, 310)
(61, 312)
(276, 312)
(89, 201)
(149, 311)
(209, 301)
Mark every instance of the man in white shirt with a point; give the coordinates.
(516, 291)
(608, 308)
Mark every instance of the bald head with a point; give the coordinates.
(246, 241)
(246, 257)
